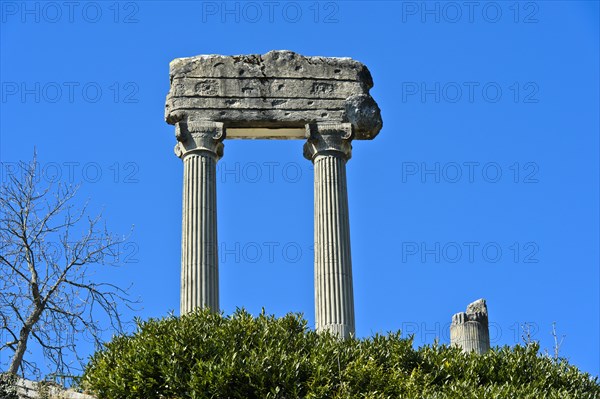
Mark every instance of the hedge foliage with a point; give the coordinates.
(207, 355)
(8, 386)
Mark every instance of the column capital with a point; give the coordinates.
(199, 136)
(328, 138)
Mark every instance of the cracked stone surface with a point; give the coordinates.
(280, 89)
(476, 311)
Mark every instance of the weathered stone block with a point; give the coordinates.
(280, 89)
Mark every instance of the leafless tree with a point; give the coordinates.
(557, 342)
(48, 251)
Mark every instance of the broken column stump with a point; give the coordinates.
(470, 330)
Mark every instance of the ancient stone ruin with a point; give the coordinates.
(278, 95)
(26, 389)
(470, 330)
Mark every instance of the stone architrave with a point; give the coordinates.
(470, 330)
(274, 95)
(278, 95)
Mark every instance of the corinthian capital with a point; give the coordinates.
(199, 136)
(328, 138)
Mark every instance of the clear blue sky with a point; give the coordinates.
(482, 183)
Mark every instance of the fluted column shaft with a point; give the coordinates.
(470, 336)
(329, 148)
(470, 330)
(200, 148)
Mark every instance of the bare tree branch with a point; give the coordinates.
(46, 295)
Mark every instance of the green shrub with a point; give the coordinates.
(206, 355)
(8, 386)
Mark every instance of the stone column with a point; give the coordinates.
(470, 330)
(200, 147)
(328, 147)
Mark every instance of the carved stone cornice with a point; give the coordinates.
(199, 136)
(328, 138)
